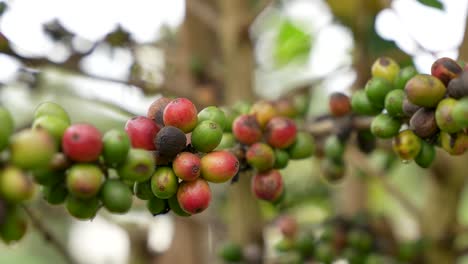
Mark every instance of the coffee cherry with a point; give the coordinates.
(181, 113)
(142, 131)
(445, 69)
(84, 180)
(175, 207)
(333, 171)
(7, 127)
(55, 194)
(361, 104)
(186, 166)
(116, 145)
(334, 148)
(394, 103)
(32, 149)
(260, 156)
(116, 196)
(267, 185)
(227, 141)
(407, 145)
(206, 136)
(280, 132)
(52, 124)
(142, 190)
(425, 90)
(386, 68)
(423, 123)
(214, 114)
(458, 87)
(460, 113)
(194, 196)
(409, 108)
(169, 142)
(404, 76)
(14, 225)
(15, 185)
(376, 90)
(285, 107)
(303, 147)
(82, 209)
(287, 225)
(454, 144)
(385, 126)
(51, 109)
(156, 110)
(219, 166)
(164, 183)
(246, 129)
(231, 252)
(231, 115)
(82, 143)
(339, 104)
(47, 177)
(138, 167)
(443, 116)
(156, 206)
(426, 155)
(366, 141)
(281, 159)
(263, 112)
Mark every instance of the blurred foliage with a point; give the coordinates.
(432, 3)
(292, 43)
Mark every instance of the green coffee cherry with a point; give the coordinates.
(214, 114)
(231, 115)
(55, 194)
(84, 180)
(32, 149)
(334, 148)
(460, 113)
(443, 116)
(83, 209)
(14, 226)
(407, 145)
(164, 183)
(206, 136)
(156, 206)
(231, 252)
(15, 185)
(303, 147)
(281, 159)
(6, 128)
(376, 90)
(137, 167)
(175, 206)
(394, 103)
(51, 109)
(47, 177)
(454, 144)
(385, 126)
(385, 67)
(116, 145)
(361, 104)
(52, 124)
(227, 141)
(116, 196)
(142, 190)
(426, 156)
(404, 76)
(425, 90)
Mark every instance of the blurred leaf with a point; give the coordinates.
(292, 43)
(432, 3)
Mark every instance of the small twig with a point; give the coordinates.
(48, 236)
(357, 158)
(327, 125)
(205, 13)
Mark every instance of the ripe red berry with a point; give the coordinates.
(186, 166)
(142, 131)
(219, 166)
(260, 156)
(181, 113)
(156, 110)
(445, 69)
(267, 185)
(287, 225)
(194, 196)
(246, 129)
(281, 132)
(339, 104)
(82, 142)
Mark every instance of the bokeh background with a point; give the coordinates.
(106, 61)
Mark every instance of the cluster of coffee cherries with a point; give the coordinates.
(269, 138)
(358, 241)
(419, 111)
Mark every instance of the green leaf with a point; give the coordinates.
(292, 43)
(432, 3)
